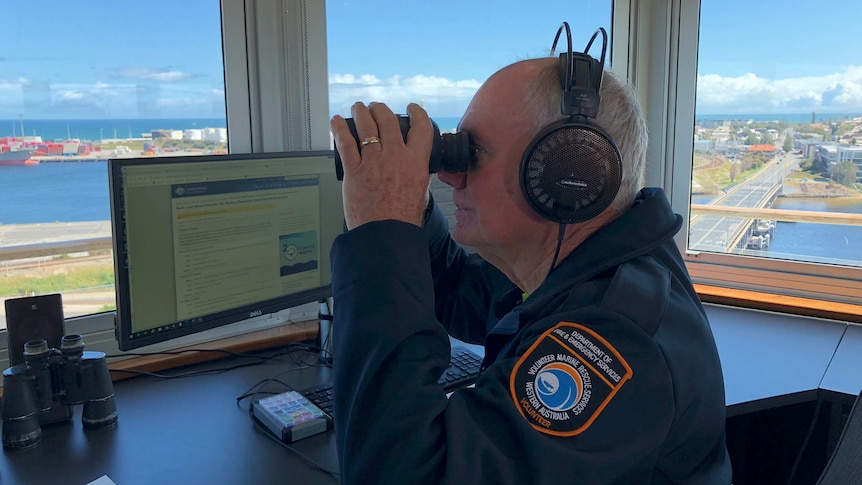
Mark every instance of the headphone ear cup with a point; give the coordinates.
(571, 172)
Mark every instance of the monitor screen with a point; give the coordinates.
(204, 241)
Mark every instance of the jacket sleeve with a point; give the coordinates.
(465, 285)
(395, 425)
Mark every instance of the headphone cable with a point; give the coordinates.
(560, 233)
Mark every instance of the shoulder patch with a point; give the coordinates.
(566, 378)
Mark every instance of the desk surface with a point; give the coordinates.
(844, 374)
(178, 431)
(771, 359)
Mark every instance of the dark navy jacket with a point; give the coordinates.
(607, 373)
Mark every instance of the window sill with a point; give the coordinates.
(778, 303)
(250, 342)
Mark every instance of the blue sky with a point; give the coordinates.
(109, 59)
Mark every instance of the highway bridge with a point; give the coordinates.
(725, 233)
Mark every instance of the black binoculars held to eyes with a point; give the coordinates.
(42, 390)
(449, 152)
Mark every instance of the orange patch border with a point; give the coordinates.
(614, 388)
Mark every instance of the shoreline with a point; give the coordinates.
(802, 189)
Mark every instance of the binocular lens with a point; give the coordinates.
(100, 410)
(450, 152)
(20, 415)
(22, 433)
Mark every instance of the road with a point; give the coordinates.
(24, 234)
(718, 233)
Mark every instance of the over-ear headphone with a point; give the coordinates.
(571, 170)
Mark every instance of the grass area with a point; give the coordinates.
(701, 161)
(83, 278)
(715, 178)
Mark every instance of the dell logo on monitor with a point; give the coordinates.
(255, 313)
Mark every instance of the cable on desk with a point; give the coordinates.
(302, 456)
(288, 352)
(256, 390)
(184, 351)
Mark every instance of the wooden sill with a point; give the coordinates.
(296, 332)
(779, 303)
(263, 339)
(300, 331)
(250, 342)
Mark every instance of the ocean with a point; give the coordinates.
(95, 130)
(793, 118)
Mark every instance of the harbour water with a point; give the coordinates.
(78, 191)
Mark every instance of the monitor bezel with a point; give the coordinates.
(126, 338)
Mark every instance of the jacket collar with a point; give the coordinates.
(649, 223)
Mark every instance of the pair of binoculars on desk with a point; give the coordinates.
(43, 388)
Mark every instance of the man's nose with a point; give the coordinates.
(456, 179)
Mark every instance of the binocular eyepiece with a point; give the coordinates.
(449, 151)
(42, 390)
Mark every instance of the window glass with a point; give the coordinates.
(438, 54)
(777, 154)
(81, 82)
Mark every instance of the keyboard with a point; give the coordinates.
(464, 366)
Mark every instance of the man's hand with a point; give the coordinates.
(386, 179)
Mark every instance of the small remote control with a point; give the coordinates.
(290, 416)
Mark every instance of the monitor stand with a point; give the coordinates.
(325, 330)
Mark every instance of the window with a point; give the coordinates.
(753, 133)
(94, 81)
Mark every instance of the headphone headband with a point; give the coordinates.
(580, 75)
(572, 169)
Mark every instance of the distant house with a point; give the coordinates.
(762, 148)
(832, 154)
(702, 145)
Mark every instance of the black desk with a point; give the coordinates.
(179, 431)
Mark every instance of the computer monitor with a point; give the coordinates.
(205, 241)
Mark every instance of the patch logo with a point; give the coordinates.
(565, 380)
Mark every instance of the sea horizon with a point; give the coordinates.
(126, 128)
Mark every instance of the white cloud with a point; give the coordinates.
(70, 95)
(448, 97)
(154, 74)
(837, 92)
(170, 76)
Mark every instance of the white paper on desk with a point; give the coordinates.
(103, 480)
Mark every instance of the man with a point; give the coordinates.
(600, 366)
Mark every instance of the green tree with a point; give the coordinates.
(844, 173)
(788, 144)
